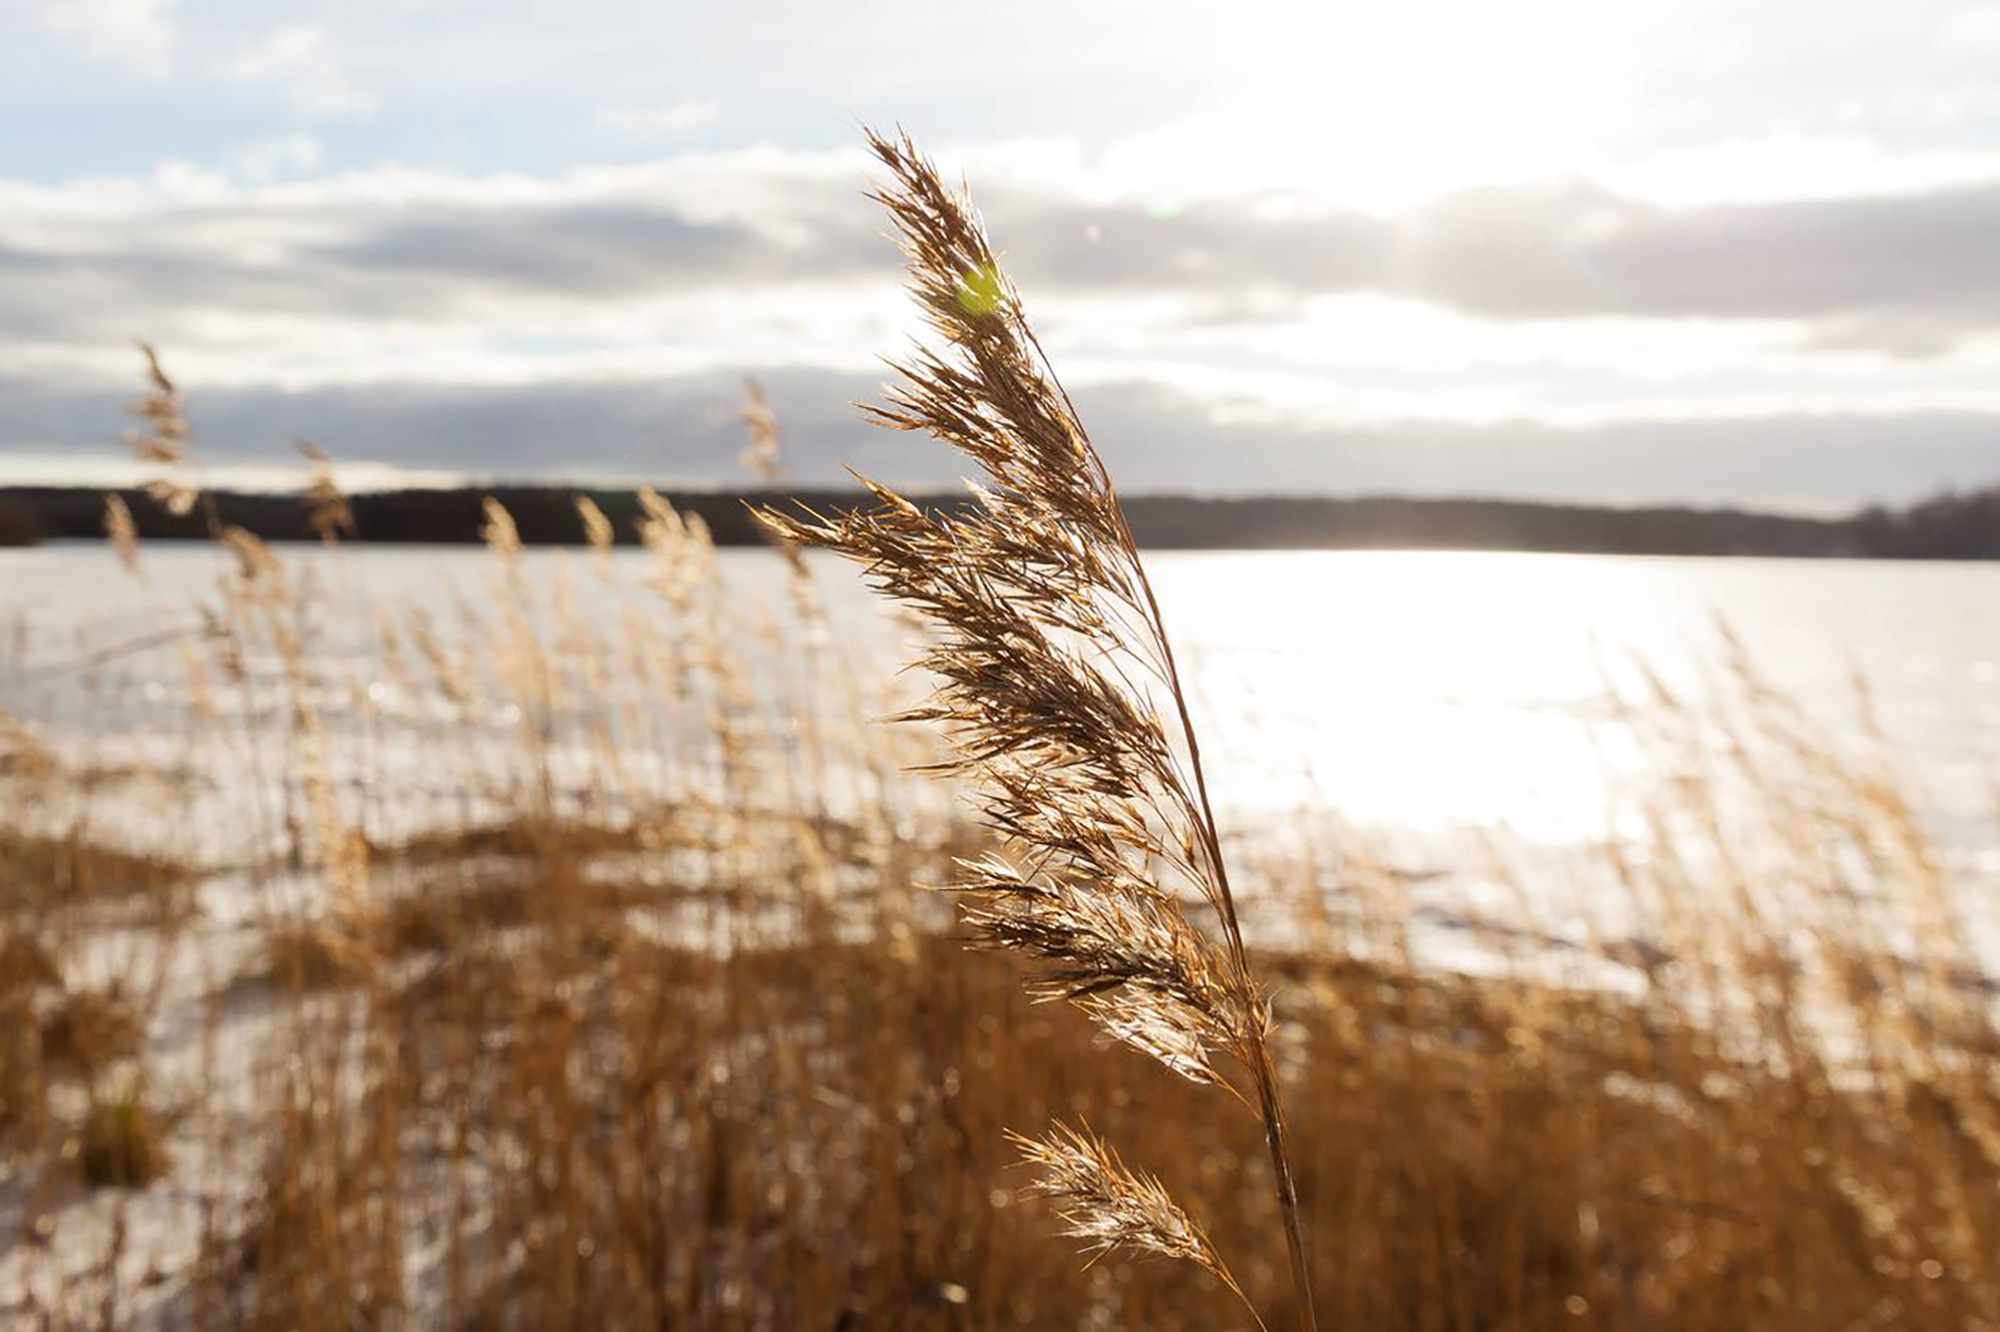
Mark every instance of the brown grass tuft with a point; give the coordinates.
(121, 1144)
(88, 1031)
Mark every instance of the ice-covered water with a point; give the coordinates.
(1412, 692)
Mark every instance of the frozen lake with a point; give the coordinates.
(1406, 691)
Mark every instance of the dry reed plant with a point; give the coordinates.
(329, 513)
(682, 550)
(162, 437)
(1112, 1208)
(1054, 667)
(763, 456)
(598, 533)
(122, 532)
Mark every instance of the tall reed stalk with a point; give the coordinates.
(1060, 697)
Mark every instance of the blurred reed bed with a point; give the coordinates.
(640, 1018)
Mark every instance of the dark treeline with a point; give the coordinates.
(17, 526)
(1953, 526)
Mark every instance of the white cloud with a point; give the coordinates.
(60, 465)
(675, 118)
(299, 59)
(138, 34)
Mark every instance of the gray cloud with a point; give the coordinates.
(1577, 251)
(1908, 275)
(683, 430)
(593, 250)
(1903, 274)
(419, 262)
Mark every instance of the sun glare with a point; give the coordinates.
(1383, 106)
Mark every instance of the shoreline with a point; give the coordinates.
(1951, 528)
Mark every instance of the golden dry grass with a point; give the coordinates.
(621, 1046)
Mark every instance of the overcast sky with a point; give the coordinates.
(1649, 250)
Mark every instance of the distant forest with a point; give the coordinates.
(1955, 526)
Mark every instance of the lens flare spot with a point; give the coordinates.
(981, 292)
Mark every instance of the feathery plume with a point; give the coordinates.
(680, 544)
(255, 564)
(1112, 1208)
(1057, 688)
(162, 413)
(330, 513)
(764, 458)
(497, 530)
(174, 494)
(761, 455)
(122, 531)
(162, 437)
(598, 532)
